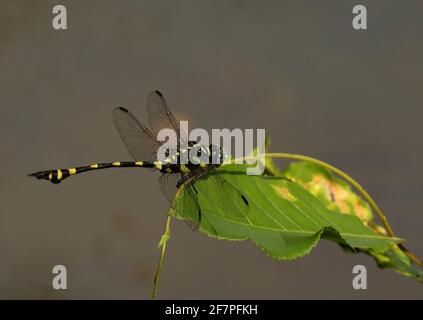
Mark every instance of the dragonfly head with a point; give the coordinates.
(217, 155)
(213, 155)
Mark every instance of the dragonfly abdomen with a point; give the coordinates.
(58, 175)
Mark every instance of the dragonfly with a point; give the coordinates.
(143, 145)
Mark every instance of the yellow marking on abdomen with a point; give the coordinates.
(158, 165)
(116, 164)
(184, 168)
(50, 176)
(59, 174)
(94, 166)
(139, 163)
(72, 171)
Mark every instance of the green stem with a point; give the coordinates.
(163, 240)
(343, 175)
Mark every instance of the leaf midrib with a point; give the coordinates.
(353, 235)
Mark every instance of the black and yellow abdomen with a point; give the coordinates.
(58, 175)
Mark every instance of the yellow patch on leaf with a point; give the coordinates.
(379, 230)
(339, 196)
(284, 193)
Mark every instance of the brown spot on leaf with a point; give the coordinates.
(340, 196)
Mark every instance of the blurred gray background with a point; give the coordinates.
(295, 68)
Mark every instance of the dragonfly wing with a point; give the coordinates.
(138, 139)
(168, 184)
(236, 200)
(228, 197)
(190, 203)
(189, 207)
(160, 116)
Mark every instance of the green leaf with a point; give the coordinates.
(339, 197)
(283, 219)
(396, 259)
(336, 194)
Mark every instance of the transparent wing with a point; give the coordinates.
(161, 117)
(168, 183)
(191, 203)
(230, 198)
(237, 201)
(138, 139)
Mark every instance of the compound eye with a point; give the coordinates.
(213, 149)
(200, 152)
(196, 154)
(223, 155)
(217, 155)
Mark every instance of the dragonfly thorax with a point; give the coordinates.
(193, 157)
